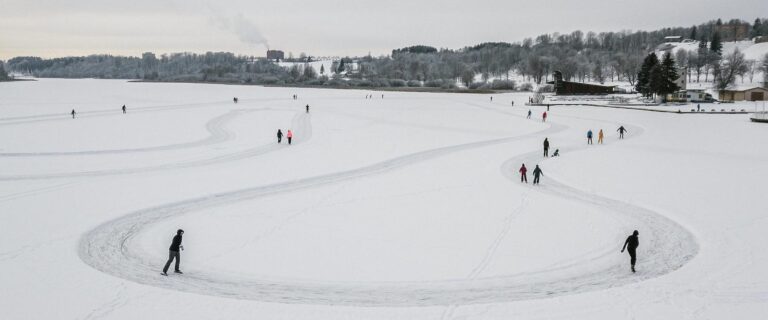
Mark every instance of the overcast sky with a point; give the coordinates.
(53, 28)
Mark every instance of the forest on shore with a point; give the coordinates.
(583, 57)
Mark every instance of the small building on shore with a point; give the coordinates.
(690, 95)
(276, 55)
(577, 88)
(748, 93)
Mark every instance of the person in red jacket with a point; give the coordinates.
(289, 135)
(523, 171)
(544, 117)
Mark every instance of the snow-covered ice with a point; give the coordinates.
(405, 207)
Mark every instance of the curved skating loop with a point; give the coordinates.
(109, 248)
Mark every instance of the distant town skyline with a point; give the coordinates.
(48, 28)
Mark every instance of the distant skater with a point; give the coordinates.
(544, 117)
(589, 136)
(234, 100)
(279, 136)
(537, 173)
(173, 253)
(307, 108)
(698, 107)
(600, 136)
(621, 131)
(289, 135)
(557, 153)
(631, 245)
(547, 107)
(124, 109)
(73, 113)
(546, 147)
(491, 98)
(523, 174)
(513, 103)
(529, 114)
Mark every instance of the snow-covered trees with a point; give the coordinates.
(657, 77)
(728, 68)
(764, 69)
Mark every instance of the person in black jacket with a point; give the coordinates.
(537, 173)
(174, 253)
(279, 136)
(631, 245)
(546, 147)
(621, 131)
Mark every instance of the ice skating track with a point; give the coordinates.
(109, 248)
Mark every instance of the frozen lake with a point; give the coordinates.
(404, 206)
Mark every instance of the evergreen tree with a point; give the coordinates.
(644, 76)
(693, 33)
(756, 27)
(668, 76)
(3, 74)
(322, 69)
(656, 79)
(717, 44)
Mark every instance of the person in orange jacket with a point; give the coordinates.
(523, 171)
(289, 135)
(600, 136)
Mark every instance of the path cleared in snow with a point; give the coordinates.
(109, 249)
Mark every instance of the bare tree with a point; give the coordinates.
(726, 71)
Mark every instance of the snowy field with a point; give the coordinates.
(402, 207)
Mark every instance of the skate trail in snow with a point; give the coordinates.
(300, 120)
(216, 134)
(109, 248)
(115, 111)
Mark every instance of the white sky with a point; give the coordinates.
(51, 28)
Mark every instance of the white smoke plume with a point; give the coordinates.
(245, 29)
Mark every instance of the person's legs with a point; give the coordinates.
(632, 258)
(289, 140)
(535, 179)
(178, 260)
(171, 256)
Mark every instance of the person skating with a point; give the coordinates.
(307, 108)
(698, 107)
(589, 136)
(491, 98)
(547, 107)
(529, 114)
(544, 117)
(289, 135)
(234, 99)
(513, 103)
(536, 174)
(600, 136)
(631, 245)
(124, 109)
(73, 113)
(173, 253)
(523, 174)
(546, 147)
(621, 131)
(557, 153)
(279, 135)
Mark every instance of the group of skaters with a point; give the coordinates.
(600, 135)
(543, 115)
(74, 113)
(370, 96)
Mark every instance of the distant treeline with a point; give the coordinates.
(597, 57)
